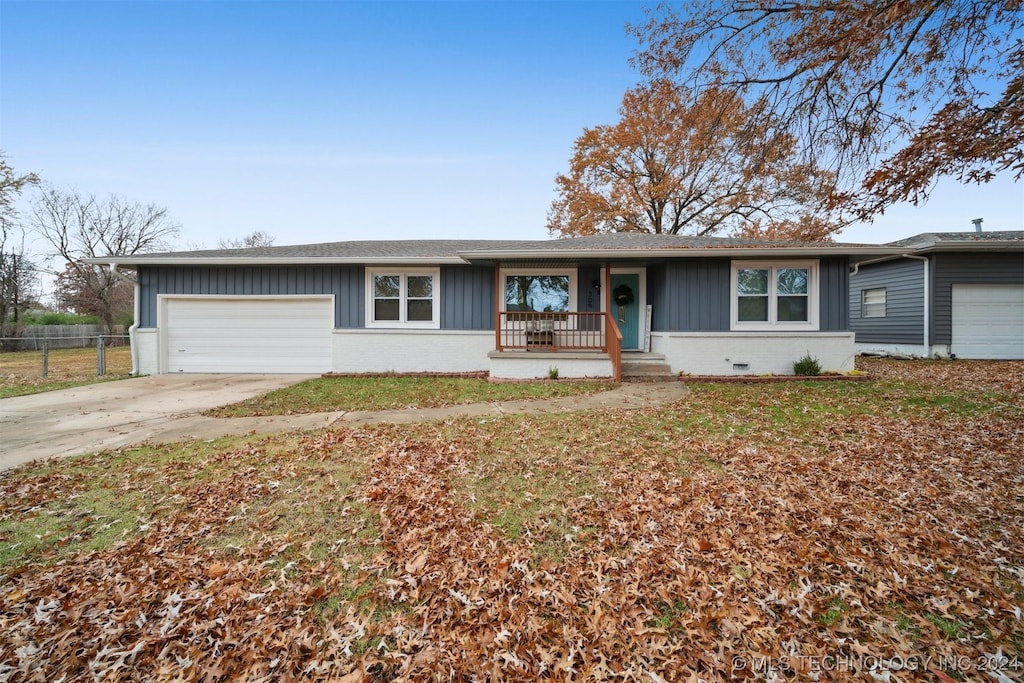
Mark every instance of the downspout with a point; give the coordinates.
(132, 346)
(927, 302)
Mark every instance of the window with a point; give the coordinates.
(774, 295)
(541, 291)
(402, 298)
(872, 303)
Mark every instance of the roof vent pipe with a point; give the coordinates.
(977, 224)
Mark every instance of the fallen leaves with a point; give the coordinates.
(749, 533)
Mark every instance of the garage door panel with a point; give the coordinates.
(229, 335)
(988, 321)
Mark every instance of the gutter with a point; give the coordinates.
(281, 261)
(856, 266)
(680, 252)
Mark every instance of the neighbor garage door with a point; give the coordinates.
(248, 334)
(988, 321)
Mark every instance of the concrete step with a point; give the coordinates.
(647, 371)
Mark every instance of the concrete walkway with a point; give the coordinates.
(184, 425)
(625, 396)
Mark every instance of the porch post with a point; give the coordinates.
(608, 288)
(497, 307)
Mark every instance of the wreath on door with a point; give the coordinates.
(623, 295)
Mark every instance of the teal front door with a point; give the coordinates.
(626, 308)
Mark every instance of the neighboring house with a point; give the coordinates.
(513, 308)
(949, 294)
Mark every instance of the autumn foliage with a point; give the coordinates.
(890, 95)
(813, 531)
(680, 162)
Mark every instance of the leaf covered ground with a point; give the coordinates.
(798, 531)
(330, 394)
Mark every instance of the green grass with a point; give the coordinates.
(951, 629)
(668, 613)
(391, 393)
(88, 520)
(834, 614)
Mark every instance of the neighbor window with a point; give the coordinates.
(872, 303)
(539, 291)
(774, 295)
(402, 298)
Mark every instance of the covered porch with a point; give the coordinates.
(557, 338)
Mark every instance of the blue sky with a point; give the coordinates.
(324, 121)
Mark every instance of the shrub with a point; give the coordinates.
(553, 372)
(807, 366)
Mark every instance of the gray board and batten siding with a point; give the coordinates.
(694, 295)
(904, 282)
(903, 322)
(346, 283)
(467, 292)
(691, 295)
(467, 298)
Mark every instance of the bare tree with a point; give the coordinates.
(80, 227)
(11, 186)
(17, 280)
(77, 294)
(17, 272)
(254, 239)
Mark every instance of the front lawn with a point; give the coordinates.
(331, 394)
(21, 372)
(795, 531)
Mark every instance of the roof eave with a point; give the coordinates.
(687, 252)
(980, 245)
(134, 261)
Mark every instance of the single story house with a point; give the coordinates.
(588, 306)
(955, 294)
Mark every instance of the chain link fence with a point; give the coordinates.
(42, 357)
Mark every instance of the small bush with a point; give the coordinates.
(553, 372)
(807, 366)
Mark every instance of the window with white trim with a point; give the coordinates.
(774, 296)
(540, 290)
(872, 302)
(402, 298)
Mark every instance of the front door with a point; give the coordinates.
(626, 308)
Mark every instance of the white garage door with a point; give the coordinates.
(248, 334)
(988, 321)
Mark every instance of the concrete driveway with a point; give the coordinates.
(119, 413)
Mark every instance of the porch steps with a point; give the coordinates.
(646, 367)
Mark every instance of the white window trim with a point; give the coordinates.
(773, 324)
(884, 303)
(435, 319)
(504, 273)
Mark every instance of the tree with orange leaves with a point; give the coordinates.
(889, 94)
(677, 163)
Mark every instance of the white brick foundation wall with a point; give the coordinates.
(537, 364)
(146, 343)
(752, 353)
(383, 350)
